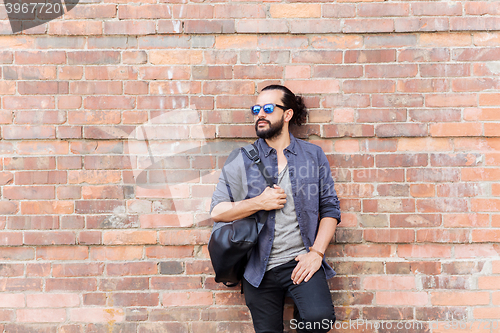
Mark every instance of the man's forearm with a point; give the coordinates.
(326, 231)
(230, 211)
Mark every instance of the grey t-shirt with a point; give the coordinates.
(287, 242)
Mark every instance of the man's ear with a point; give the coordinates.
(288, 114)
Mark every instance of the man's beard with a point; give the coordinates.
(273, 131)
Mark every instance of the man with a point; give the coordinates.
(302, 215)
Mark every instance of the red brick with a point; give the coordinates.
(424, 55)
(28, 132)
(124, 283)
(382, 282)
(448, 70)
(389, 235)
(34, 102)
(29, 73)
(187, 299)
(474, 23)
(414, 24)
(489, 99)
(414, 220)
(453, 100)
(475, 84)
(477, 174)
(313, 86)
(336, 71)
(397, 130)
(369, 250)
(368, 86)
(47, 207)
(282, 42)
(258, 72)
(368, 25)
(129, 27)
(485, 235)
(461, 190)
(350, 130)
(176, 283)
(89, 238)
(74, 28)
(184, 237)
(436, 9)
(96, 315)
(77, 270)
(96, 88)
(42, 147)
(62, 253)
(474, 54)
(92, 11)
(134, 57)
(295, 10)
(442, 236)
(459, 298)
(397, 100)
(132, 268)
(113, 253)
(93, 57)
(228, 87)
(40, 57)
(369, 56)
(388, 205)
(401, 160)
(423, 85)
(111, 73)
(193, 11)
(378, 175)
(12, 301)
(424, 251)
(9, 207)
(434, 115)
(465, 220)
(70, 72)
(445, 39)
(378, 145)
(145, 11)
(313, 26)
(135, 299)
(48, 300)
(422, 190)
(343, 100)
(433, 175)
(240, 11)
(21, 284)
(317, 57)
(442, 205)
(109, 102)
(383, 9)
(49, 238)
(41, 315)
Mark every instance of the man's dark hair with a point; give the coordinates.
(290, 101)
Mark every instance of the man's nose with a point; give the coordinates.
(262, 114)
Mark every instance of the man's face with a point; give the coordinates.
(269, 125)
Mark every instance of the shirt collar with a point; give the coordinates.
(267, 150)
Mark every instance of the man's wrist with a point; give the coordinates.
(311, 249)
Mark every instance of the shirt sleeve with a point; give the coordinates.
(234, 181)
(329, 205)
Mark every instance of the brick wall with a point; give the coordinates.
(116, 119)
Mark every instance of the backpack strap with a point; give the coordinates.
(252, 153)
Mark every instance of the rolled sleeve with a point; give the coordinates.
(329, 205)
(234, 178)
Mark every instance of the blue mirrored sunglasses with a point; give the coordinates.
(268, 108)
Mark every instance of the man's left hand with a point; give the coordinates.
(309, 263)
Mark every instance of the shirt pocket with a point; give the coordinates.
(309, 190)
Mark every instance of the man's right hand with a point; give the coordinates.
(273, 198)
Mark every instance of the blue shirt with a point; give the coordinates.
(313, 193)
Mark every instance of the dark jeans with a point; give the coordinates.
(311, 298)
